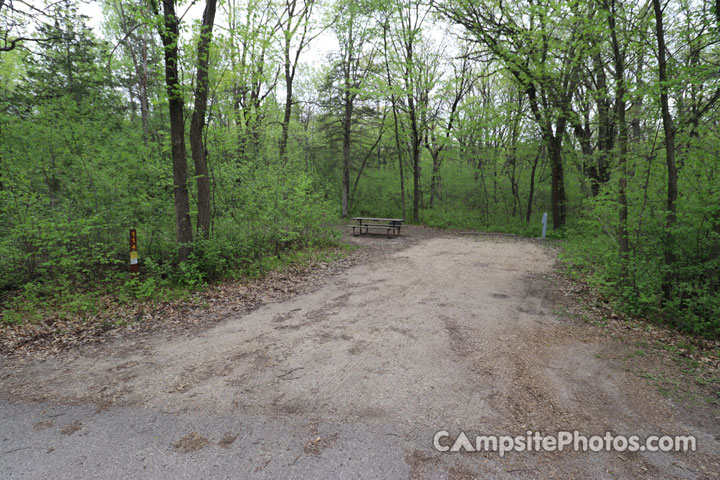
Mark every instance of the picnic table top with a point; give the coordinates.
(379, 218)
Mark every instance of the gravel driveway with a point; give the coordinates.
(352, 380)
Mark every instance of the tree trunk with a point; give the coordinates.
(286, 120)
(623, 243)
(415, 139)
(416, 179)
(183, 225)
(669, 129)
(347, 125)
(144, 104)
(402, 185)
(619, 61)
(197, 145)
(531, 192)
(399, 154)
(435, 179)
(553, 142)
(606, 127)
(584, 136)
(636, 108)
(240, 126)
(415, 147)
(289, 73)
(557, 184)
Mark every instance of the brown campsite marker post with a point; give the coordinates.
(134, 266)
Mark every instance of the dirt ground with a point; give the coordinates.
(430, 332)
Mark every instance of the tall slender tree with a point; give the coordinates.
(170, 34)
(669, 129)
(295, 39)
(619, 60)
(407, 19)
(197, 145)
(353, 31)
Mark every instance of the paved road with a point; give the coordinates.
(351, 381)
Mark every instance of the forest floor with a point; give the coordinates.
(351, 374)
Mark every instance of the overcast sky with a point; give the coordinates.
(314, 56)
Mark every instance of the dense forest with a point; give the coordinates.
(203, 126)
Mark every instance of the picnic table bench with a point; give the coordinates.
(365, 224)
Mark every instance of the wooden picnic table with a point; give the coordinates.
(391, 225)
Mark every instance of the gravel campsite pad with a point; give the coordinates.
(351, 377)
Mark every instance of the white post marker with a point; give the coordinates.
(544, 222)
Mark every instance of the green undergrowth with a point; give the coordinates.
(595, 260)
(37, 302)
